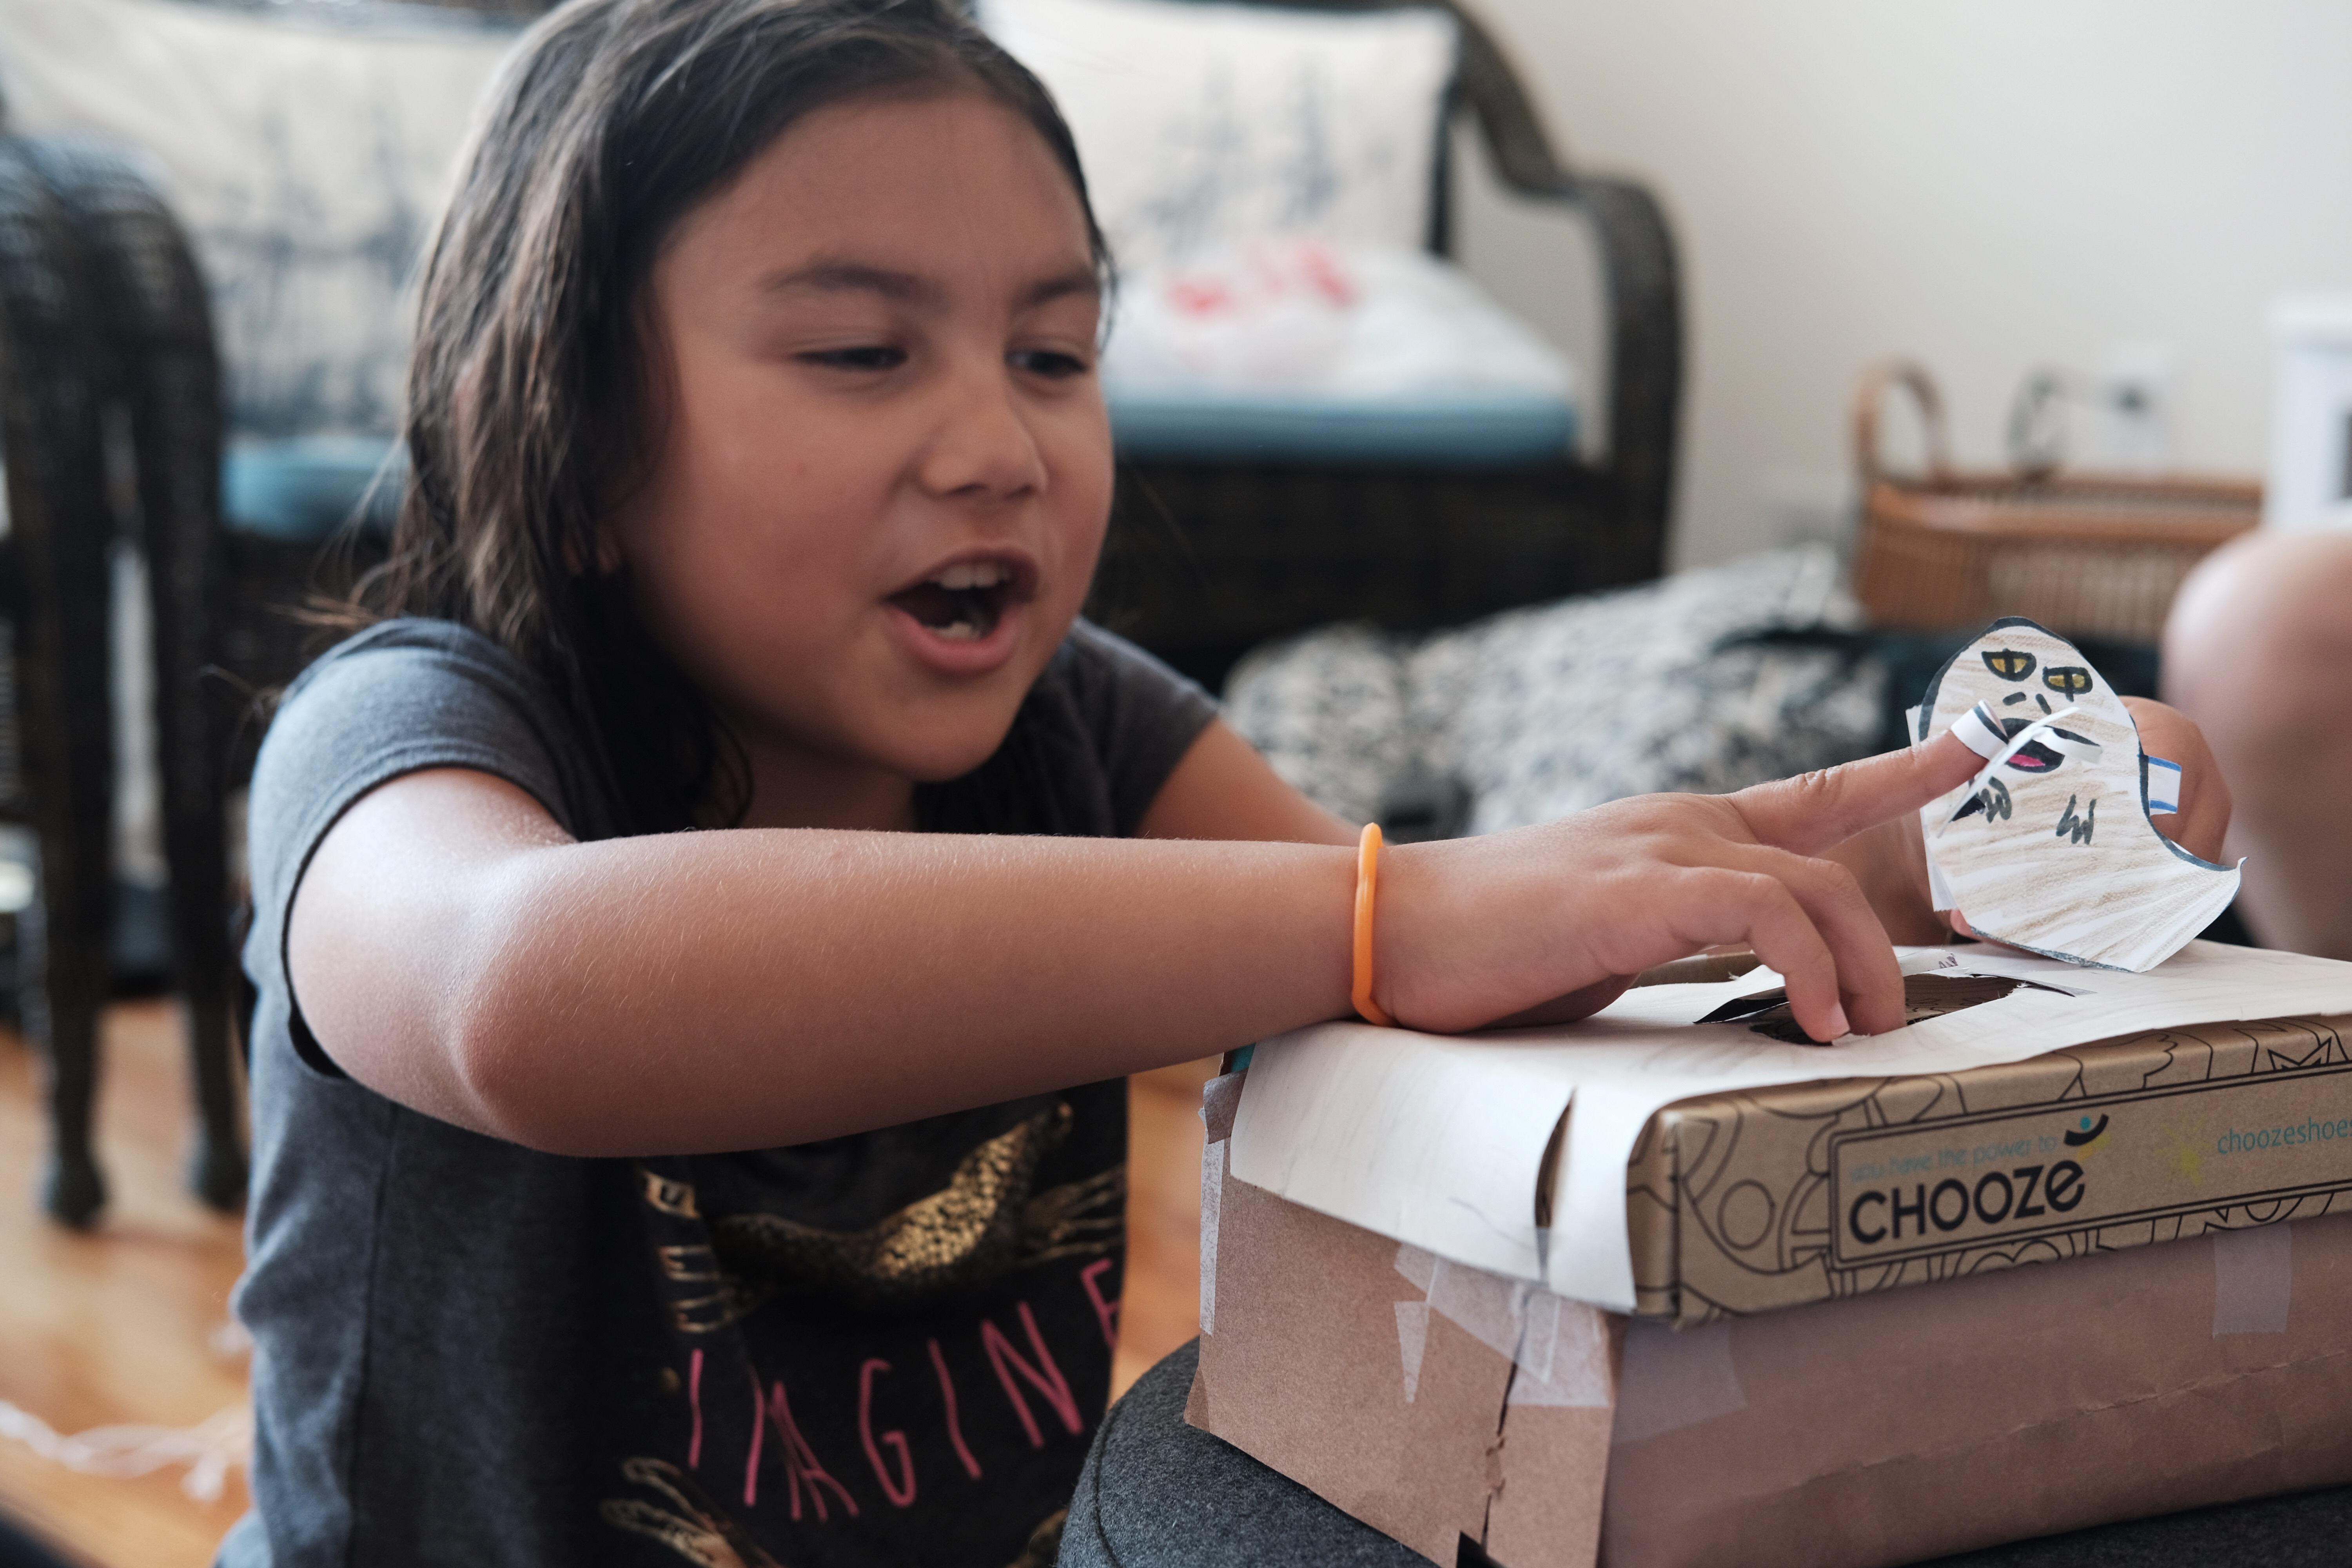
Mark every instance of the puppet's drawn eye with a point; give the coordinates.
(2009, 663)
(2071, 679)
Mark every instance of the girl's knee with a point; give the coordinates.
(2264, 624)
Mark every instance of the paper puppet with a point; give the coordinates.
(2052, 846)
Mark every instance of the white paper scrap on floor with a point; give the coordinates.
(1440, 1141)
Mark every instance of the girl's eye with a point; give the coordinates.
(870, 356)
(1047, 363)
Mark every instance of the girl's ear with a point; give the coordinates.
(608, 550)
(606, 547)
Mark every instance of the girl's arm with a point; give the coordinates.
(452, 948)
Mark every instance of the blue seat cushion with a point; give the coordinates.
(300, 490)
(1453, 430)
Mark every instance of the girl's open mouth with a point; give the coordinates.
(963, 602)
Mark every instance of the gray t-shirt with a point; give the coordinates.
(878, 1349)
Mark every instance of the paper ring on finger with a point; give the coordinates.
(2163, 787)
(1972, 727)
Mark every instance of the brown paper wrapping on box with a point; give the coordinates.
(1306, 1344)
(1747, 1203)
(1847, 1434)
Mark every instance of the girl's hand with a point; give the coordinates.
(1550, 924)
(2204, 815)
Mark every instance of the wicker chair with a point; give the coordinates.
(1206, 561)
(102, 309)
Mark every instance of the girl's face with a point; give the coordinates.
(883, 466)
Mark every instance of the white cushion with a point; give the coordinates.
(1361, 320)
(307, 159)
(1302, 349)
(1206, 123)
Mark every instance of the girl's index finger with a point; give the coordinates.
(1811, 812)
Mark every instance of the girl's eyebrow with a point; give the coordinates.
(1077, 281)
(850, 277)
(857, 277)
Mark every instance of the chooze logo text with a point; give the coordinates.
(1919, 1199)
(2019, 1174)
(2184, 1148)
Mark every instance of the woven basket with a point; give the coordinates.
(2087, 555)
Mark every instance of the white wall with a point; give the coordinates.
(1989, 184)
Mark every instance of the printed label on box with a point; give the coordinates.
(2012, 1176)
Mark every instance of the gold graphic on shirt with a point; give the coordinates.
(1079, 1219)
(697, 1265)
(985, 1223)
(967, 1233)
(689, 1526)
(691, 1265)
(667, 1196)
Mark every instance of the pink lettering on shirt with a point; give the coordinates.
(751, 1465)
(1044, 1376)
(800, 1459)
(1107, 1311)
(948, 1397)
(900, 1492)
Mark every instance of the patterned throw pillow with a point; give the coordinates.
(1328, 710)
(1675, 685)
(1207, 123)
(307, 150)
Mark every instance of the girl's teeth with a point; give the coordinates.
(966, 574)
(959, 631)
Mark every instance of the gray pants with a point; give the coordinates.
(1157, 1494)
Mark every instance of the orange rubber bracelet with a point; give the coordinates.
(1368, 877)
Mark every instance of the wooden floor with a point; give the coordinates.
(124, 1325)
(130, 1324)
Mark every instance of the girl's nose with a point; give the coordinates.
(981, 445)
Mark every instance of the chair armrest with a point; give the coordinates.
(1643, 299)
(1641, 278)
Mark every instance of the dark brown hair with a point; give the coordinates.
(527, 414)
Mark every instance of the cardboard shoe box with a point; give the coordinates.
(1686, 1154)
(1435, 1401)
(1745, 1203)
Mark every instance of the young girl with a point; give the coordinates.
(634, 1194)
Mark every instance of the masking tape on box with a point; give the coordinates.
(1558, 1347)
(1674, 1378)
(2253, 1279)
(1213, 1192)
